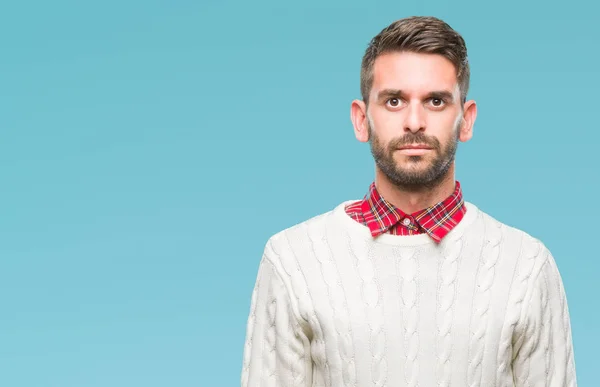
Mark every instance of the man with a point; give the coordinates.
(411, 286)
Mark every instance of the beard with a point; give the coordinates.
(417, 173)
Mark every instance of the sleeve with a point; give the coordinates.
(276, 351)
(543, 349)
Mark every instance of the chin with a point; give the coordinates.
(416, 158)
(414, 162)
(407, 159)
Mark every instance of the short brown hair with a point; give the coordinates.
(418, 34)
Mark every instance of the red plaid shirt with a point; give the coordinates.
(381, 216)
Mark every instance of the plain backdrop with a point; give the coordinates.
(148, 150)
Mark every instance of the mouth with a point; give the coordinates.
(415, 146)
(415, 150)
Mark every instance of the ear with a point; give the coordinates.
(358, 115)
(467, 121)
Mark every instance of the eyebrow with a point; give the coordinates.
(396, 93)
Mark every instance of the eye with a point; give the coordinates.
(393, 102)
(437, 102)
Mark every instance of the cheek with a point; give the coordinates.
(445, 128)
(382, 126)
(387, 125)
(445, 119)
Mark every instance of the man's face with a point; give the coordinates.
(413, 117)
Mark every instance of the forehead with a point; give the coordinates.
(414, 73)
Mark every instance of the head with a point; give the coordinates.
(414, 83)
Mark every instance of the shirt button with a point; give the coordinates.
(406, 222)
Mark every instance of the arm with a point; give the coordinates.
(277, 351)
(543, 347)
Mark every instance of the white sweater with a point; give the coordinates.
(334, 307)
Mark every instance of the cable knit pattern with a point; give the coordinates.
(547, 329)
(375, 319)
(482, 299)
(334, 307)
(371, 298)
(297, 280)
(570, 377)
(250, 332)
(530, 251)
(409, 294)
(544, 334)
(445, 310)
(273, 333)
(337, 302)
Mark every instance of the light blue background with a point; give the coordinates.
(148, 149)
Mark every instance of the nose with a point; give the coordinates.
(415, 119)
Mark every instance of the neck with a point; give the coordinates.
(410, 201)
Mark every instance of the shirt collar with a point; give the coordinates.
(437, 220)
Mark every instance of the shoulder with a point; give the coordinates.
(532, 250)
(295, 241)
(299, 231)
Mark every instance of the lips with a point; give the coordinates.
(415, 146)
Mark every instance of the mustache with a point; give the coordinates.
(414, 138)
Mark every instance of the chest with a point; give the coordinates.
(408, 301)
